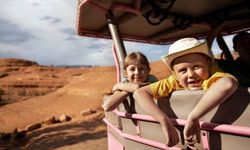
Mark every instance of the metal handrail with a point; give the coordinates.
(139, 139)
(226, 128)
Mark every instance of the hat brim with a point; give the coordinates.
(201, 48)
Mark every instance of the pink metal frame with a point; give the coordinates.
(238, 130)
(205, 127)
(138, 138)
(230, 129)
(113, 143)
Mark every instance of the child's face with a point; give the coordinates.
(191, 70)
(137, 73)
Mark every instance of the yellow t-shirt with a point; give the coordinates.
(166, 86)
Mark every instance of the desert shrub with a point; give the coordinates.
(43, 93)
(34, 93)
(2, 103)
(3, 74)
(54, 76)
(76, 74)
(1, 93)
(22, 92)
(12, 69)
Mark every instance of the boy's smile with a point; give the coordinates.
(191, 70)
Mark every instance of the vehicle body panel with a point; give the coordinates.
(227, 126)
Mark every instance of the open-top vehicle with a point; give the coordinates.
(227, 126)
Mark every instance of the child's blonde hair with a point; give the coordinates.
(136, 58)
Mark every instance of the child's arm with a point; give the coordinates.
(120, 92)
(129, 87)
(217, 93)
(113, 101)
(145, 99)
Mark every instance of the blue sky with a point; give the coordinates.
(44, 31)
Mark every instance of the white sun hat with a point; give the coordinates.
(186, 46)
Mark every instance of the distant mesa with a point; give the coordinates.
(16, 62)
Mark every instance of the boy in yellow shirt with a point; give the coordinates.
(191, 63)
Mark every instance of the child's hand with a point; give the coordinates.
(192, 132)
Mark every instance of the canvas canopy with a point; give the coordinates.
(162, 21)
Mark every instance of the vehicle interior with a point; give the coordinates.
(226, 127)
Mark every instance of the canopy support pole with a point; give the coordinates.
(119, 49)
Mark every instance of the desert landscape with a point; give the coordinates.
(47, 107)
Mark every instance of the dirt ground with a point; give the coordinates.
(58, 91)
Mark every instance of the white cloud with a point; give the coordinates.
(49, 26)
